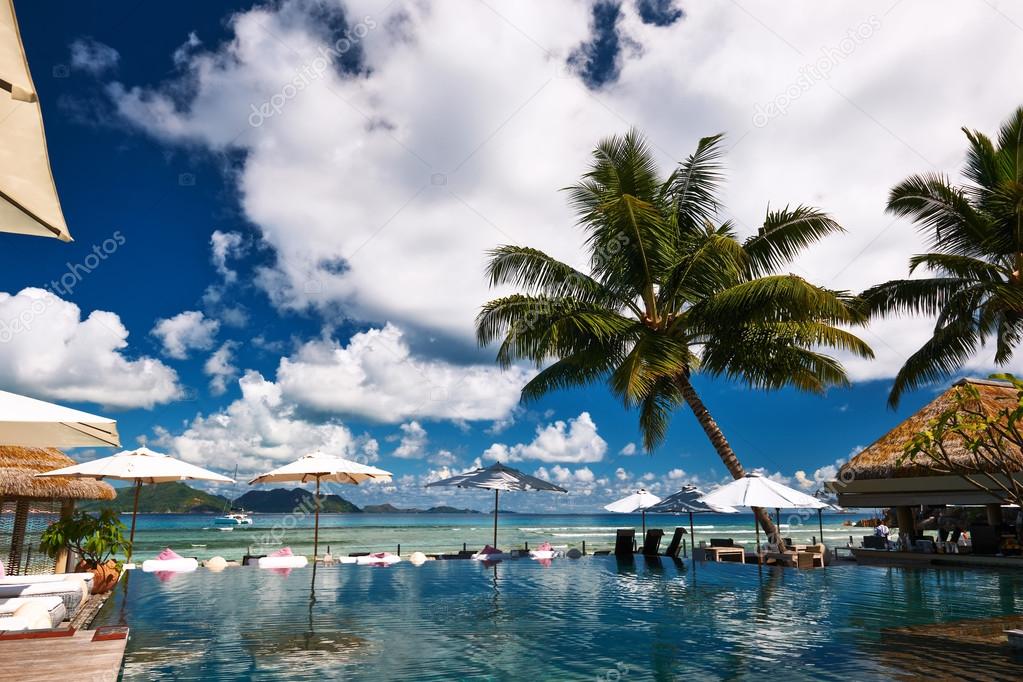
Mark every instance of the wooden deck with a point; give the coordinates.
(62, 658)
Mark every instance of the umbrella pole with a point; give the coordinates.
(134, 513)
(642, 513)
(496, 493)
(756, 526)
(692, 534)
(820, 523)
(316, 523)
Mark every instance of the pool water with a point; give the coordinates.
(592, 618)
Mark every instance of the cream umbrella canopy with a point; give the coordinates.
(34, 423)
(320, 466)
(638, 501)
(498, 477)
(28, 195)
(139, 466)
(754, 490)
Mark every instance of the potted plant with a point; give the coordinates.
(96, 540)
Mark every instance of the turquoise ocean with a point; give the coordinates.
(196, 535)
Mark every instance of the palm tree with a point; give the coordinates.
(669, 292)
(975, 237)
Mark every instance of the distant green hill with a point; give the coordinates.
(283, 501)
(388, 508)
(163, 498)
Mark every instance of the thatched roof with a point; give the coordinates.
(18, 467)
(881, 458)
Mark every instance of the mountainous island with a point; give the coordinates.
(180, 498)
(164, 498)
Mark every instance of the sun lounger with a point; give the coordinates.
(625, 541)
(45, 578)
(652, 542)
(53, 606)
(675, 546)
(182, 565)
(282, 562)
(72, 591)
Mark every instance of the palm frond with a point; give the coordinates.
(784, 234)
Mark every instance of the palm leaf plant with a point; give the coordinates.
(973, 268)
(670, 291)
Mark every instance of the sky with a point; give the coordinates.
(281, 213)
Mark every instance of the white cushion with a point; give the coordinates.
(44, 578)
(283, 562)
(53, 607)
(387, 558)
(172, 565)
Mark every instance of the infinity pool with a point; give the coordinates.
(593, 618)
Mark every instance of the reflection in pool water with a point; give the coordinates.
(594, 617)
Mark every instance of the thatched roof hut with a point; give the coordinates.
(29, 504)
(880, 475)
(18, 467)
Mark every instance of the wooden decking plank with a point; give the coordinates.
(76, 657)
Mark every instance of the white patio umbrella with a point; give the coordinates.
(754, 490)
(34, 423)
(321, 466)
(688, 501)
(639, 501)
(28, 195)
(139, 466)
(498, 477)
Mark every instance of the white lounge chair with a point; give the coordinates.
(72, 590)
(182, 565)
(45, 578)
(54, 607)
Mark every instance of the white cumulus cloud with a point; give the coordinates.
(576, 440)
(220, 367)
(260, 431)
(376, 376)
(48, 351)
(433, 175)
(186, 331)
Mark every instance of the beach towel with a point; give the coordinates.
(545, 547)
(283, 551)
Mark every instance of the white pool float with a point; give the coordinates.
(543, 553)
(182, 565)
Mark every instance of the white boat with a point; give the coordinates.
(233, 519)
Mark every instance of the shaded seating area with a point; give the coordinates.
(725, 549)
(882, 477)
(28, 505)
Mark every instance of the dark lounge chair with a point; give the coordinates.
(985, 539)
(675, 546)
(625, 541)
(652, 543)
(874, 542)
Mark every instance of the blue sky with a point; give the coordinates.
(294, 200)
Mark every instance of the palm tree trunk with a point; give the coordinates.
(720, 443)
